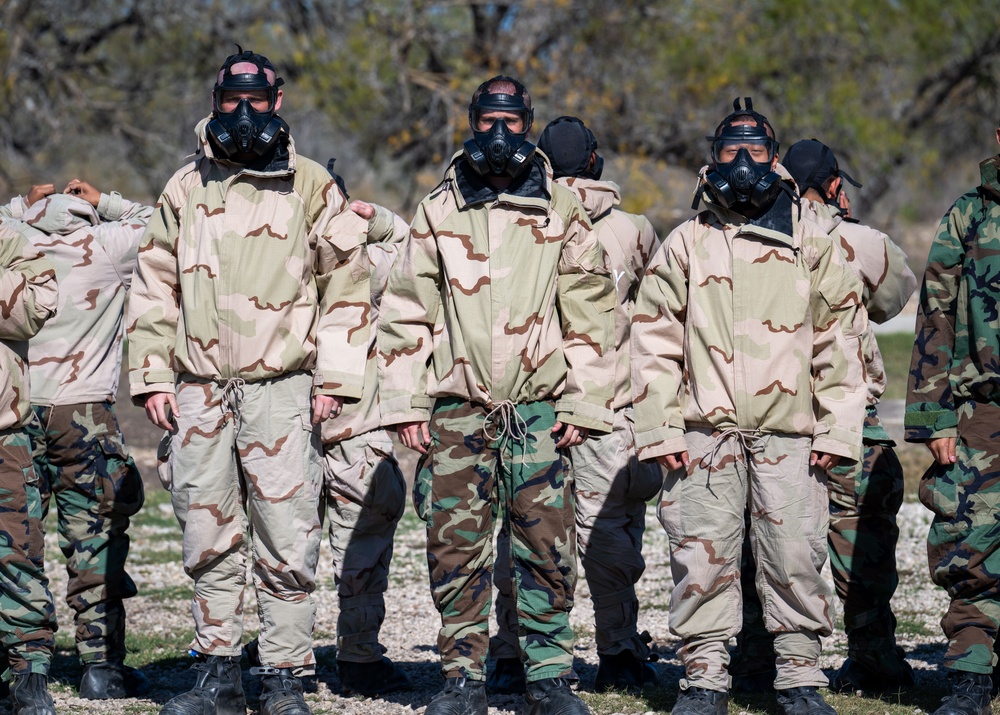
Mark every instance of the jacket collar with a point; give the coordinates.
(597, 197)
(988, 171)
(531, 189)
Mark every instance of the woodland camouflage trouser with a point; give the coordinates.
(82, 465)
(482, 466)
(963, 546)
(245, 468)
(610, 490)
(365, 495)
(27, 612)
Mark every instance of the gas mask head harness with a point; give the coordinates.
(569, 144)
(742, 182)
(246, 130)
(498, 151)
(813, 164)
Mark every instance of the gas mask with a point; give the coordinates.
(498, 151)
(743, 182)
(246, 130)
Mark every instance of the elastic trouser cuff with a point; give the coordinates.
(549, 671)
(607, 600)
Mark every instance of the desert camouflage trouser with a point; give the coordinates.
(83, 465)
(365, 495)
(245, 457)
(702, 507)
(482, 466)
(963, 546)
(865, 498)
(27, 612)
(610, 489)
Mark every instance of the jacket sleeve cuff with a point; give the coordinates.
(839, 441)
(110, 206)
(654, 443)
(584, 414)
(141, 388)
(924, 422)
(408, 408)
(337, 384)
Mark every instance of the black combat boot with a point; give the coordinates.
(110, 680)
(281, 692)
(29, 695)
(624, 671)
(218, 689)
(553, 696)
(805, 700)
(382, 676)
(875, 664)
(970, 695)
(459, 697)
(700, 701)
(506, 677)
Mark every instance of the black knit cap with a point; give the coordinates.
(569, 144)
(812, 163)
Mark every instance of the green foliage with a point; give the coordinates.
(896, 350)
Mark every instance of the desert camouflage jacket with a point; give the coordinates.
(749, 325)
(76, 357)
(387, 231)
(499, 297)
(956, 355)
(881, 266)
(250, 273)
(28, 298)
(629, 241)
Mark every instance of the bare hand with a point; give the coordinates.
(943, 449)
(324, 407)
(572, 436)
(674, 461)
(823, 460)
(161, 408)
(84, 190)
(415, 435)
(363, 209)
(38, 192)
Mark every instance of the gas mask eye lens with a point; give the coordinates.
(260, 100)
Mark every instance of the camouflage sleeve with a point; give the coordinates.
(648, 243)
(343, 277)
(15, 209)
(121, 231)
(28, 295)
(405, 334)
(153, 306)
(839, 383)
(657, 349)
(585, 295)
(930, 405)
(386, 227)
(888, 291)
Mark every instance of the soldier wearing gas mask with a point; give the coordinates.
(249, 326)
(748, 387)
(495, 349)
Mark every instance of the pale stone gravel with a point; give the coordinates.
(410, 629)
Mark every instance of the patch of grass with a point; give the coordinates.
(896, 350)
(157, 513)
(909, 626)
(169, 594)
(159, 556)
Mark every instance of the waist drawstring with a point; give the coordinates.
(504, 425)
(748, 440)
(232, 398)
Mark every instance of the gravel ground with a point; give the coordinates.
(160, 614)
